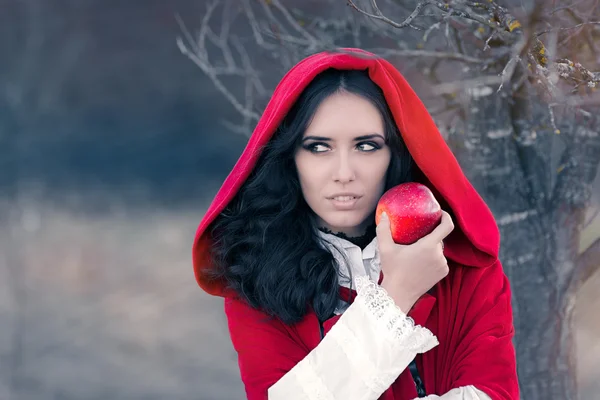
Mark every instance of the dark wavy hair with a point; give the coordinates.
(266, 244)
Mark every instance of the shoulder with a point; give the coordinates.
(490, 278)
(247, 323)
(238, 311)
(473, 292)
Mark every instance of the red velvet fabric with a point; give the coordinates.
(469, 311)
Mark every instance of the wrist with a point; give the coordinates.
(404, 304)
(401, 299)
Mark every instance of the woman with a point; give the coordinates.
(321, 304)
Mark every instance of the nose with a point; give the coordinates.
(344, 170)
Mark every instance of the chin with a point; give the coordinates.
(345, 223)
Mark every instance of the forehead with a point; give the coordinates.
(345, 115)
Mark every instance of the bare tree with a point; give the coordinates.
(512, 90)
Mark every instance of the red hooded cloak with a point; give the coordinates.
(469, 311)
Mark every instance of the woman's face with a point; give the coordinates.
(342, 163)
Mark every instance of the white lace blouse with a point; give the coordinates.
(348, 364)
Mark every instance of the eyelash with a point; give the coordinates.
(311, 147)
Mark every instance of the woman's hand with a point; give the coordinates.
(411, 270)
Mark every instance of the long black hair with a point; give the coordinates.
(265, 243)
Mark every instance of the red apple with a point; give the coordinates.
(412, 210)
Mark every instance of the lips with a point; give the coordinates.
(344, 202)
(344, 196)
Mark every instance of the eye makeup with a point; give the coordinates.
(313, 147)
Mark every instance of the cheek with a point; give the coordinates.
(308, 176)
(376, 171)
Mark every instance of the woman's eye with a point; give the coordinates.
(368, 146)
(322, 147)
(317, 148)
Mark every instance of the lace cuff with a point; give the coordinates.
(393, 322)
(361, 356)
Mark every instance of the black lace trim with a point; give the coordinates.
(360, 241)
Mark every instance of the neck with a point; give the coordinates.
(361, 240)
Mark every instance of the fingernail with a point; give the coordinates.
(384, 215)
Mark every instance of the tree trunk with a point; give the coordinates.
(515, 178)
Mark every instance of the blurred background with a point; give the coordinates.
(111, 148)
(112, 145)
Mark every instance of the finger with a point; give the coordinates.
(445, 227)
(384, 232)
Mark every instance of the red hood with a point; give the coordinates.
(475, 240)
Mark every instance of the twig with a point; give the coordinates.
(587, 265)
(451, 87)
(567, 28)
(217, 82)
(379, 15)
(430, 29)
(258, 37)
(503, 32)
(288, 17)
(428, 54)
(196, 51)
(568, 69)
(591, 219)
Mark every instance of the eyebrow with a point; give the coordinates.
(358, 138)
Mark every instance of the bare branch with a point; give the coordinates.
(430, 29)
(447, 11)
(591, 219)
(509, 69)
(277, 24)
(258, 37)
(506, 27)
(197, 52)
(288, 17)
(428, 54)
(568, 28)
(280, 30)
(588, 264)
(213, 75)
(379, 15)
(569, 70)
(210, 8)
(477, 84)
(565, 8)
